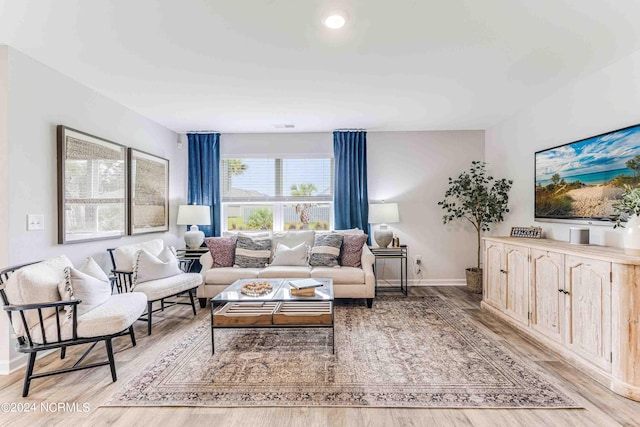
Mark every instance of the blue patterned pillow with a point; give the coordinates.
(326, 250)
(252, 252)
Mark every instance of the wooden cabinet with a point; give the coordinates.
(581, 301)
(516, 284)
(547, 294)
(588, 309)
(507, 279)
(493, 277)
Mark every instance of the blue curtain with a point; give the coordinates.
(351, 200)
(204, 176)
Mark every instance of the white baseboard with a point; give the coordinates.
(8, 367)
(423, 282)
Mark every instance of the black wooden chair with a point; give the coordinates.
(58, 339)
(124, 283)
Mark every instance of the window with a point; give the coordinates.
(277, 194)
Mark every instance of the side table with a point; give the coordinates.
(188, 258)
(399, 253)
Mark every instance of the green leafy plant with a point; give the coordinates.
(628, 205)
(478, 198)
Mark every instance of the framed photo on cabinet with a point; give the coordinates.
(148, 193)
(92, 187)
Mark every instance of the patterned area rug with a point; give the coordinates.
(405, 352)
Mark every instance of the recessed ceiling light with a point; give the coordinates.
(335, 21)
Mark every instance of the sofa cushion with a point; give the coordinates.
(148, 267)
(351, 252)
(36, 283)
(125, 255)
(292, 238)
(167, 286)
(228, 275)
(222, 250)
(298, 255)
(326, 250)
(344, 275)
(252, 252)
(284, 271)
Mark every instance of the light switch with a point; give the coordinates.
(35, 222)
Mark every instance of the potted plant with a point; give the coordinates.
(480, 199)
(629, 208)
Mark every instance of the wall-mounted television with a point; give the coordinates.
(582, 180)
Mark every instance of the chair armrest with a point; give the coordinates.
(123, 281)
(42, 305)
(206, 261)
(368, 258)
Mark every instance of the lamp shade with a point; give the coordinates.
(194, 215)
(383, 213)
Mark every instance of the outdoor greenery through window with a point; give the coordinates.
(277, 194)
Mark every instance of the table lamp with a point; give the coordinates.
(383, 214)
(194, 215)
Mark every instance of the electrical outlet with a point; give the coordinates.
(418, 259)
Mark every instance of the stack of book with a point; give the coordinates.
(304, 287)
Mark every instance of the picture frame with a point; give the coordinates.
(148, 202)
(92, 187)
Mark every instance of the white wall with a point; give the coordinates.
(603, 101)
(38, 100)
(5, 352)
(412, 169)
(248, 145)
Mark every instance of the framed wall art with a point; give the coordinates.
(148, 193)
(92, 187)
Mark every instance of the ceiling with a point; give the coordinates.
(256, 65)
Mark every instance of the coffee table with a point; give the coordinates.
(275, 309)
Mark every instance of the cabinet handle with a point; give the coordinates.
(563, 291)
(503, 271)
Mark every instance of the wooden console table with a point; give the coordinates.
(582, 301)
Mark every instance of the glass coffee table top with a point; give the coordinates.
(281, 291)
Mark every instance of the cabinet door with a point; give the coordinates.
(516, 285)
(547, 297)
(588, 309)
(493, 276)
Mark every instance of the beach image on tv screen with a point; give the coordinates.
(584, 179)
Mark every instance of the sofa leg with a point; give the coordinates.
(369, 302)
(203, 302)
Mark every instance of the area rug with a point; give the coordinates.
(405, 352)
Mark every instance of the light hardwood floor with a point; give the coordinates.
(94, 387)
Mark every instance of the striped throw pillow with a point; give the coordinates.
(326, 250)
(252, 252)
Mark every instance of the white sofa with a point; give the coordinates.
(348, 282)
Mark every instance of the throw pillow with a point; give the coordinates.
(125, 256)
(326, 250)
(148, 267)
(222, 250)
(292, 238)
(351, 255)
(252, 252)
(36, 283)
(296, 256)
(90, 290)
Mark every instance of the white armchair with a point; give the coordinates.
(43, 319)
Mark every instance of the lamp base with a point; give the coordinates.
(383, 237)
(194, 238)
